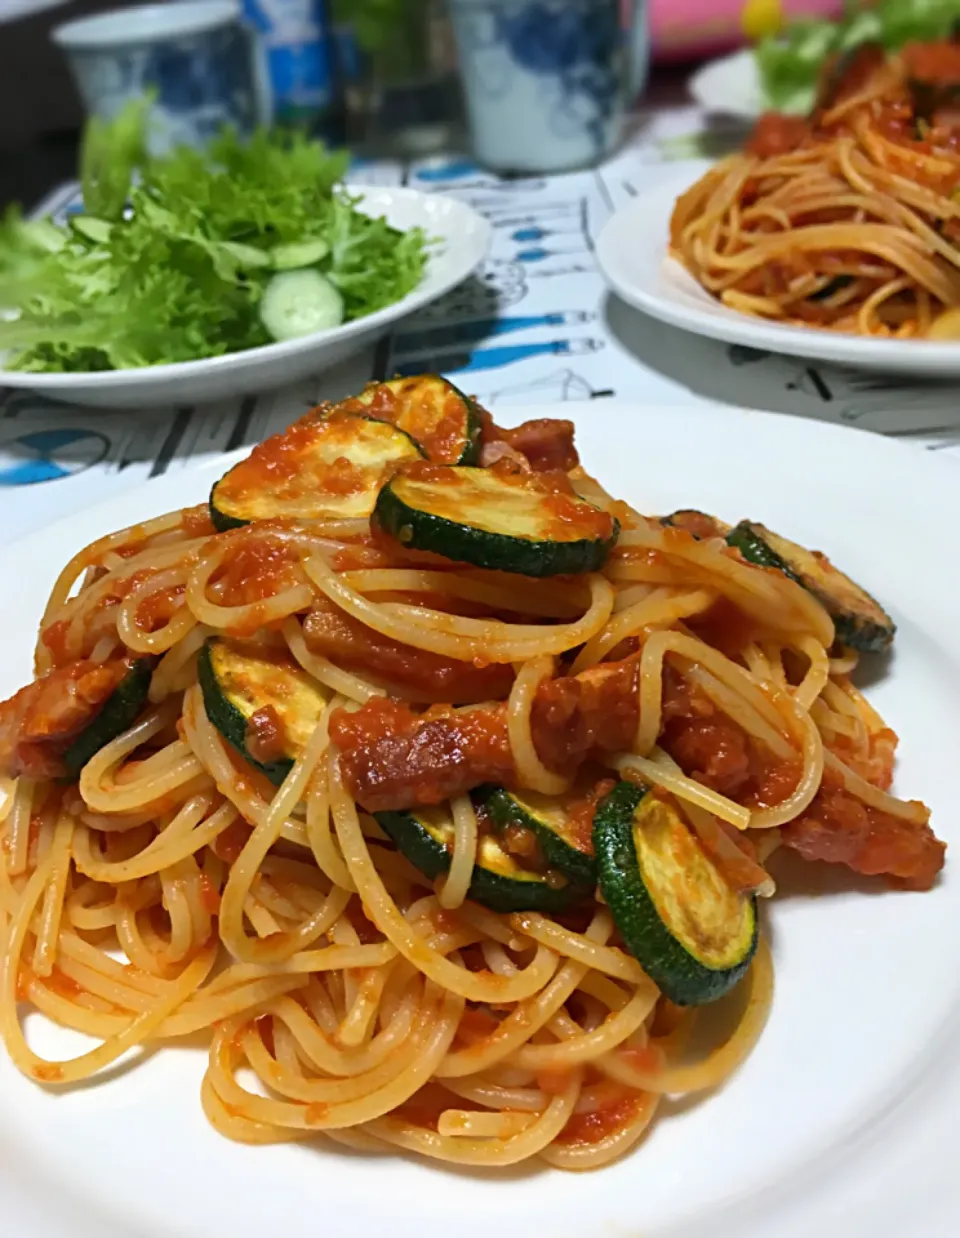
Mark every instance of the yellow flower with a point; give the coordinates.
(760, 18)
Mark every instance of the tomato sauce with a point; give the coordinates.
(342, 478)
(365, 928)
(156, 610)
(59, 982)
(775, 134)
(475, 1027)
(232, 841)
(277, 459)
(933, 62)
(259, 568)
(196, 522)
(592, 1128)
(209, 895)
(48, 1072)
(265, 737)
(328, 631)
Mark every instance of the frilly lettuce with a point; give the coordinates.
(186, 248)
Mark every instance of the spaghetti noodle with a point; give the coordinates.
(186, 881)
(847, 221)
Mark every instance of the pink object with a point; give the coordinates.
(688, 29)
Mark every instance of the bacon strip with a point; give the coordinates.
(545, 444)
(393, 758)
(37, 725)
(352, 645)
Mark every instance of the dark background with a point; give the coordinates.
(40, 113)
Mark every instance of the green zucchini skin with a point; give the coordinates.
(229, 721)
(414, 399)
(680, 975)
(496, 891)
(505, 808)
(221, 521)
(419, 529)
(238, 679)
(859, 620)
(119, 713)
(698, 524)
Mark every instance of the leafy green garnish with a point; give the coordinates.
(790, 61)
(177, 265)
(112, 151)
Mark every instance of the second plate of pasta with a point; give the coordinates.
(634, 256)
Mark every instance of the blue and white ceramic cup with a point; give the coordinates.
(549, 83)
(196, 56)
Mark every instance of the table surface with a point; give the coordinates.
(538, 328)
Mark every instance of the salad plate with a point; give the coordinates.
(459, 240)
(729, 86)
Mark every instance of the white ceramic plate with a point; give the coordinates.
(463, 239)
(844, 1120)
(729, 86)
(632, 255)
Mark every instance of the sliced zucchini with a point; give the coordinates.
(837, 284)
(860, 621)
(698, 524)
(239, 680)
(554, 833)
(499, 880)
(91, 228)
(446, 423)
(686, 927)
(321, 468)
(300, 302)
(119, 713)
(495, 518)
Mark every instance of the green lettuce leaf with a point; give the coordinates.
(789, 62)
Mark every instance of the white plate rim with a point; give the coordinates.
(632, 256)
(464, 253)
(859, 1172)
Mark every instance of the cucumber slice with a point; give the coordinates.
(687, 928)
(246, 256)
(240, 680)
(860, 621)
(499, 880)
(322, 467)
(91, 229)
(554, 832)
(297, 303)
(506, 521)
(446, 423)
(119, 713)
(294, 257)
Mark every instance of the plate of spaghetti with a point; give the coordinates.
(415, 810)
(833, 236)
